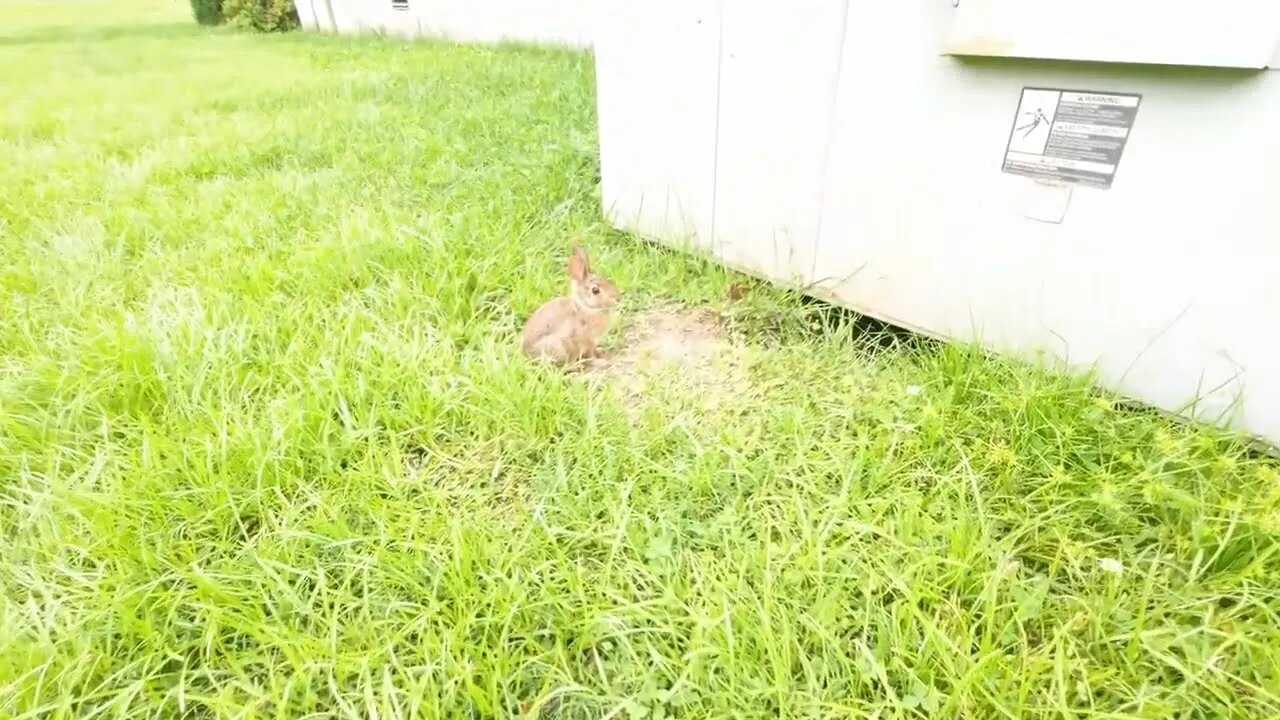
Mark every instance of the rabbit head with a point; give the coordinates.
(587, 290)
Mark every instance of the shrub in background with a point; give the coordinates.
(207, 12)
(261, 15)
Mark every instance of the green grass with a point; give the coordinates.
(267, 449)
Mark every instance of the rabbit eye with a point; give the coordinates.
(595, 290)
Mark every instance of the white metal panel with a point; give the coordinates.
(460, 20)
(1224, 33)
(657, 116)
(556, 22)
(566, 22)
(308, 15)
(325, 16)
(347, 15)
(779, 63)
(1160, 282)
(903, 231)
(394, 21)
(561, 22)
(368, 16)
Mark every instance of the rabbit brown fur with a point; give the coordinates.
(568, 329)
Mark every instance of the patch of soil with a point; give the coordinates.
(671, 351)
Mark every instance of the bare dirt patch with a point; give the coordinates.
(674, 352)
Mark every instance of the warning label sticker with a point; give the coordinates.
(1072, 136)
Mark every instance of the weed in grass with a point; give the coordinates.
(268, 449)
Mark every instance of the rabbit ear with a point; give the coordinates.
(579, 266)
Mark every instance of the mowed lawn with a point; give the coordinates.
(267, 449)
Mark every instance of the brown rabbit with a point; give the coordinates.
(566, 329)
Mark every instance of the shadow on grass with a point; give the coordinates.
(833, 319)
(768, 312)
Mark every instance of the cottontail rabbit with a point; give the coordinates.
(566, 329)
